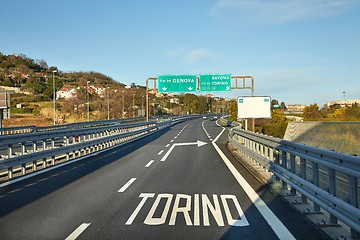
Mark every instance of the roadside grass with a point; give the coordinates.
(26, 120)
(343, 138)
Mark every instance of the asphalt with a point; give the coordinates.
(161, 187)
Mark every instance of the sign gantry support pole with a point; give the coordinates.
(4, 106)
(244, 86)
(147, 95)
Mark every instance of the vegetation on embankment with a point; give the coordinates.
(332, 133)
(337, 136)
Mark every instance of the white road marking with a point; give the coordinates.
(198, 143)
(145, 196)
(167, 145)
(168, 153)
(182, 207)
(172, 141)
(278, 227)
(78, 231)
(159, 153)
(127, 185)
(150, 219)
(148, 165)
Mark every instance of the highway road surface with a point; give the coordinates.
(179, 183)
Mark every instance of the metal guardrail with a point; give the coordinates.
(227, 123)
(16, 130)
(327, 178)
(25, 153)
(28, 129)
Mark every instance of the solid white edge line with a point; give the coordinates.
(78, 231)
(127, 185)
(149, 163)
(277, 226)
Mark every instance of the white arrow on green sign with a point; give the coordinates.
(177, 83)
(215, 83)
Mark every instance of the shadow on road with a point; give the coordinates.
(17, 195)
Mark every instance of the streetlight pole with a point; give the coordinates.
(154, 107)
(133, 105)
(87, 99)
(142, 106)
(108, 103)
(122, 114)
(54, 96)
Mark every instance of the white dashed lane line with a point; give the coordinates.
(159, 153)
(149, 163)
(78, 231)
(127, 185)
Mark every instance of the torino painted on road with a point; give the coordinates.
(192, 217)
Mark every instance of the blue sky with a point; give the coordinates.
(298, 51)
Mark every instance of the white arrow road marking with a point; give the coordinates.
(198, 143)
(78, 231)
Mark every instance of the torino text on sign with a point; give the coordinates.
(215, 83)
(177, 83)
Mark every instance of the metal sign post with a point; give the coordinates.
(147, 96)
(245, 86)
(4, 106)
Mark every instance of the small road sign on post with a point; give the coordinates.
(215, 83)
(177, 83)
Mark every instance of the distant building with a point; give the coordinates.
(66, 93)
(175, 100)
(343, 103)
(99, 90)
(295, 108)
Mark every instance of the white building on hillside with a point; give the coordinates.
(344, 103)
(66, 93)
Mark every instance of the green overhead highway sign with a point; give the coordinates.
(177, 83)
(215, 83)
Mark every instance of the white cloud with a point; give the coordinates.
(178, 51)
(191, 56)
(198, 55)
(284, 10)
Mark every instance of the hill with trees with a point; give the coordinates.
(31, 82)
(35, 77)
